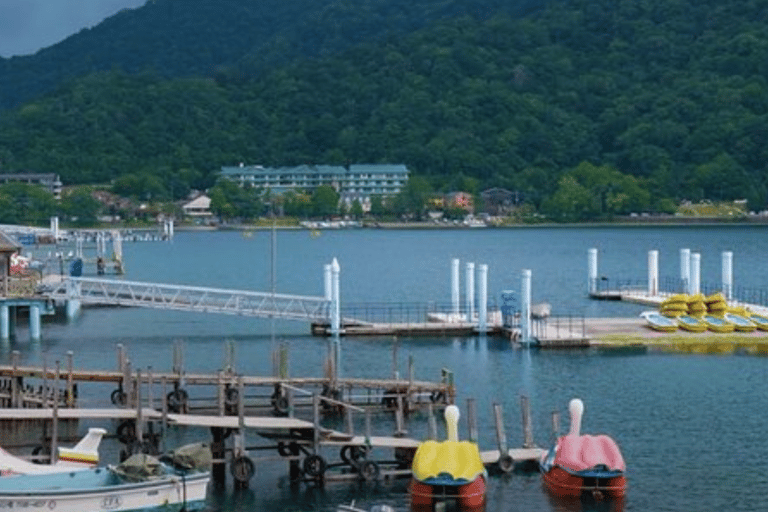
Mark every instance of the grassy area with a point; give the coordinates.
(728, 210)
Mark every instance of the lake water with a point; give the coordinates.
(691, 427)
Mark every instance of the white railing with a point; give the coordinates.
(190, 298)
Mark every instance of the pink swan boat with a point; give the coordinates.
(584, 464)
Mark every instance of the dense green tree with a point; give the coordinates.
(26, 204)
(325, 201)
(80, 207)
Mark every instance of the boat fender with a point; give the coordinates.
(118, 397)
(506, 463)
(126, 431)
(314, 466)
(177, 400)
(281, 405)
(231, 397)
(242, 469)
(369, 471)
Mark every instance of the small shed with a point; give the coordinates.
(7, 247)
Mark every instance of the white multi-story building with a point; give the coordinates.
(48, 181)
(358, 181)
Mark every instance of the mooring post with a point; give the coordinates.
(555, 426)
(70, 395)
(592, 276)
(15, 380)
(240, 437)
(501, 434)
(525, 405)
(728, 275)
(315, 423)
(469, 295)
(120, 357)
(695, 273)
(150, 394)
(5, 322)
(164, 419)
(335, 298)
(34, 322)
(45, 379)
(220, 389)
(432, 421)
(685, 270)
(128, 384)
(455, 286)
(472, 420)
(55, 417)
(525, 309)
(139, 415)
(399, 418)
(482, 313)
(653, 273)
(283, 367)
(395, 365)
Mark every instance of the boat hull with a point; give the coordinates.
(92, 491)
(569, 485)
(469, 496)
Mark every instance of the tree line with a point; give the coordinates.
(589, 108)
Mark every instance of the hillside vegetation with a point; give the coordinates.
(588, 107)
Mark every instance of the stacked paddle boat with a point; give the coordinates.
(448, 470)
(580, 465)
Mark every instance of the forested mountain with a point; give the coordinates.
(243, 38)
(610, 105)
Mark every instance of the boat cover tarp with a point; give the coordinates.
(578, 453)
(195, 456)
(138, 468)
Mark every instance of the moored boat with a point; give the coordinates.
(717, 324)
(659, 322)
(583, 464)
(85, 454)
(760, 321)
(140, 483)
(740, 323)
(448, 470)
(691, 323)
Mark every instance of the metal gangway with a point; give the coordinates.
(109, 292)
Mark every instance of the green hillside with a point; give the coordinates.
(232, 38)
(598, 106)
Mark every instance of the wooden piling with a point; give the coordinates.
(525, 405)
(472, 420)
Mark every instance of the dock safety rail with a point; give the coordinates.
(189, 298)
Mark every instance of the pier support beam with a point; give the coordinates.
(728, 275)
(653, 273)
(695, 286)
(455, 295)
(34, 322)
(525, 308)
(685, 270)
(470, 291)
(482, 309)
(592, 278)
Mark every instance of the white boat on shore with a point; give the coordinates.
(141, 483)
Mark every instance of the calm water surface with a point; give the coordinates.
(691, 427)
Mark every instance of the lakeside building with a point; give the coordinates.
(48, 181)
(352, 182)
